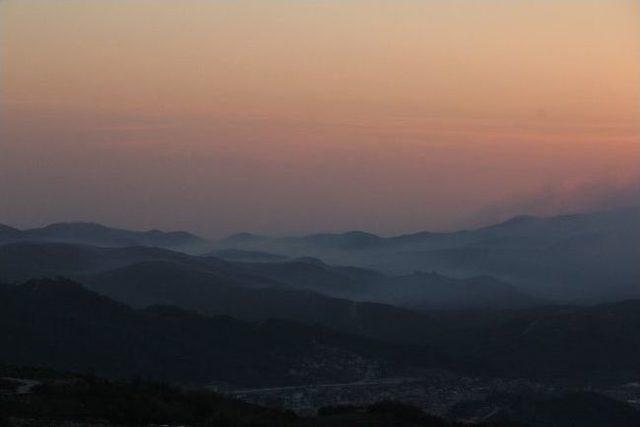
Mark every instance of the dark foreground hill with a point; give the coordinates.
(85, 400)
(63, 325)
(546, 341)
(60, 324)
(601, 341)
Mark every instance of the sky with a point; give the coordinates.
(297, 116)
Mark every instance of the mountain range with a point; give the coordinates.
(587, 257)
(100, 235)
(307, 278)
(551, 303)
(478, 320)
(582, 257)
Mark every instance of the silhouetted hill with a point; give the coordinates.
(550, 343)
(72, 399)
(542, 342)
(601, 341)
(28, 260)
(297, 290)
(312, 274)
(426, 291)
(422, 291)
(24, 260)
(100, 235)
(59, 324)
(160, 282)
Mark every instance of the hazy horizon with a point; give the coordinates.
(321, 231)
(288, 117)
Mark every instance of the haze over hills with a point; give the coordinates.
(508, 341)
(569, 257)
(304, 279)
(273, 314)
(572, 258)
(149, 276)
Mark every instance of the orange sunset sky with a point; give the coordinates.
(292, 116)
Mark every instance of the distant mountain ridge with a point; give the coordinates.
(520, 223)
(100, 235)
(571, 258)
(579, 257)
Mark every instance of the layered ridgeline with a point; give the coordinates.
(156, 313)
(141, 277)
(536, 340)
(583, 256)
(123, 273)
(60, 324)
